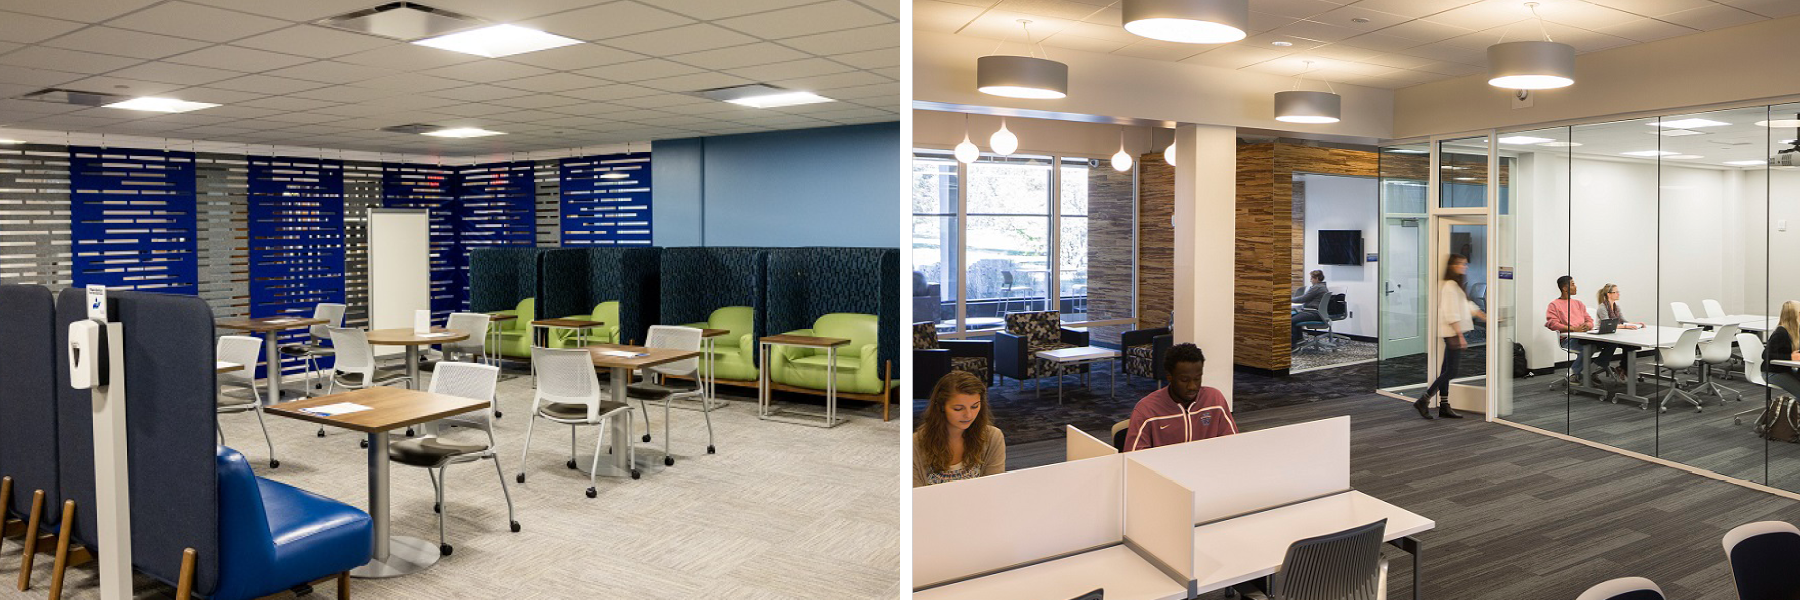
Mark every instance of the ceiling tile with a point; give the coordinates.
(609, 21)
(1314, 30)
(788, 70)
(410, 82)
(1425, 31)
(287, 103)
(1484, 14)
(553, 82)
(1110, 31)
(265, 84)
(1654, 8)
(1342, 52)
(640, 70)
(1584, 15)
(344, 93)
(510, 10)
(330, 72)
(123, 42)
(92, 11)
(1648, 30)
(942, 17)
(1446, 51)
(471, 109)
(825, 82)
(1380, 42)
(576, 57)
(217, 96)
(1235, 57)
(1773, 9)
(1713, 17)
(1084, 44)
(314, 41)
(36, 77)
(174, 73)
(870, 59)
(411, 102)
(198, 22)
(122, 85)
(308, 10)
(42, 57)
(746, 55)
(694, 82)
(486, 71)
(407, 57)
(301, 117)
(1298, 9)
(666, 102)
(1398, 61)
(31, 29)
(806, 20)
(1413, 8)
(237, 59)
(477, 93)
(1004, 25)
(538, 101)
(681, 40)
(610, 92)
(851, 40)
(356, 109)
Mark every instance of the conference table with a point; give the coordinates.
(1756, 323)
(1631, 341)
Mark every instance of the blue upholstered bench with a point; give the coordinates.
(275, 537)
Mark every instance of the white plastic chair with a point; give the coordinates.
(1683, 315)
(1712, 308)
(1716, 351)
(1752, 349)
(474, 324)
(1676, 359)
(1623, 587)
(435, 454)
(568, 392)
(667, 390)
(355, 357)
(315, 348)
(1759, 555)
(245, 351)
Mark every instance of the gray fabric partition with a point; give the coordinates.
(499, 277)
(28, 358)
(170, 428)
(562, 283)
(806, 283)
(696, 281)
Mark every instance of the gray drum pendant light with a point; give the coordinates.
(1022, 76)
(1188, 21)
(1303, 106)
(1531, 65)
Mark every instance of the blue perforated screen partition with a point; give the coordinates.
(499, 207)
(606, 200)
(296, 240)
(434, 188)
(132, 220)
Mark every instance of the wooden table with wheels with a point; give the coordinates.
(270, 328)
(765, 400)
(413, 341)
(613, 357)
(390, 408)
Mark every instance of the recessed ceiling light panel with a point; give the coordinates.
(166, 105)
(1688, 123)
(1747, 163)
(1524, 139)
(1648, 153)
(406, 21)
(498, 40)
(762, 95)
(1780, 123)
(1561, 144)
(1683, 156)
(463, 132)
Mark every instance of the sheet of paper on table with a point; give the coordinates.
(624, 354)
(438, 334)
(332, 410)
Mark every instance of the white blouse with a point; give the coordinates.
(1454, 310)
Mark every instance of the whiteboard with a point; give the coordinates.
(399, 269)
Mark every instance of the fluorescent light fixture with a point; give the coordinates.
(1648, 153)
(1688, 123)
(1780, 123)
(1675, 132)
(1747, 163)
(1683, 156)
(1407, 151)
(1524, 139)
(1561, 144)
(463, 132)
(497, 41)
(167, 105)
(761, 95)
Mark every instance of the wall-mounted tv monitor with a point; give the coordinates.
(1340, 247)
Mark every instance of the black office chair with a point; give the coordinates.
(1336, 309)
(1624, 588)
(1761, 557)
(1346, 565)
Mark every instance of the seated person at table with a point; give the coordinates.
(956, 440)
(1312, 304)
(1608, 308)
(1183, 412)
(1781, 347)
(1566, 315)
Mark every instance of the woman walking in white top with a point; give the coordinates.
(1456, 316)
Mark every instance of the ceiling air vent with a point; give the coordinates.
(78, 98)
(411, 128)
(405, 21)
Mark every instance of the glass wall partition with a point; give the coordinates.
(1009, 234)
(1667, 230)
(935, 245)
(1402, 335)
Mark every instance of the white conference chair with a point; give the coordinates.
(245, 351)
(667, 390)
(1683, 315)
(1712, 308)
(355, 366)
(435, 454)
(1676, 359)
(1752, 349)
(568, 392)
(315, 348)
(1760, 555)
(474, 324)
(1623, 588)
(1716, 352)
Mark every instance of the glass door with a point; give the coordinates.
(1401, 332)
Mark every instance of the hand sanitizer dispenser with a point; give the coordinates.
(87, 355)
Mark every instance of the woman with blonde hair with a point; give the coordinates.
(1606, 307)
(956, 440)
(1781, 347)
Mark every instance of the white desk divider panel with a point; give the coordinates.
(1272, 467)
(1156, 521)
(1080, 445)
(399, 269)
(965, 529)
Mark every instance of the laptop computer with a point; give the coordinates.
(1608, 326)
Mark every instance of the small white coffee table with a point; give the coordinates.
(1068, 357)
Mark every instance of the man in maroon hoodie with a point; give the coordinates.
(1183, 412)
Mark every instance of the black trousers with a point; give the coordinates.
(1305, 316)
(1604, 354)
(1446, 372)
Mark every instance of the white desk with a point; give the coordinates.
(1745, 322)
(1252, 546)
(1632, 340)
(1117, 569)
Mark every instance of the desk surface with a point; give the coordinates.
(804, 340)
(1240, 549)
(390, 408)
(266, 324)
(407, 337)
(1120, 571)
(1725, 320)
(651, 358)
(1652, 336)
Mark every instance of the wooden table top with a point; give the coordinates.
(804, 340)
(265, 324)
(568, 323)
(406, 337)
(708, 332)
(227, 367)
(390, 408)
(654, 356)
(496, 317)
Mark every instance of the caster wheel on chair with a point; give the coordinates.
(321, 433)
(521, 478)
(409, 432)
(570, 464)
(515, 526)
(363, 444)
(711, 450)
(636, 474)
(498, 414)
(437, 508)
(592, 492)
(646, 437)
(668, 461)
(445, 549)
(274, 464)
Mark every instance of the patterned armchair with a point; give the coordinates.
(1028, 333)
(1143, 351)
(933, 359)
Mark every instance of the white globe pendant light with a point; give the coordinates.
(1302, 106)
(1003, 141)
(1027, 77)
(1169, 154)
(1188, 21)
(1531, 65)
(1121, 161)
(966, 152)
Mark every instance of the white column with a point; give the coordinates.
(1206, 245)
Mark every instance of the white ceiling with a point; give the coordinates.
(1402, 43)
(283, 81)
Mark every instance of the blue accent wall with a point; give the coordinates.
(832, 186)
(132, 222)
(296, 223)
(598, 210)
